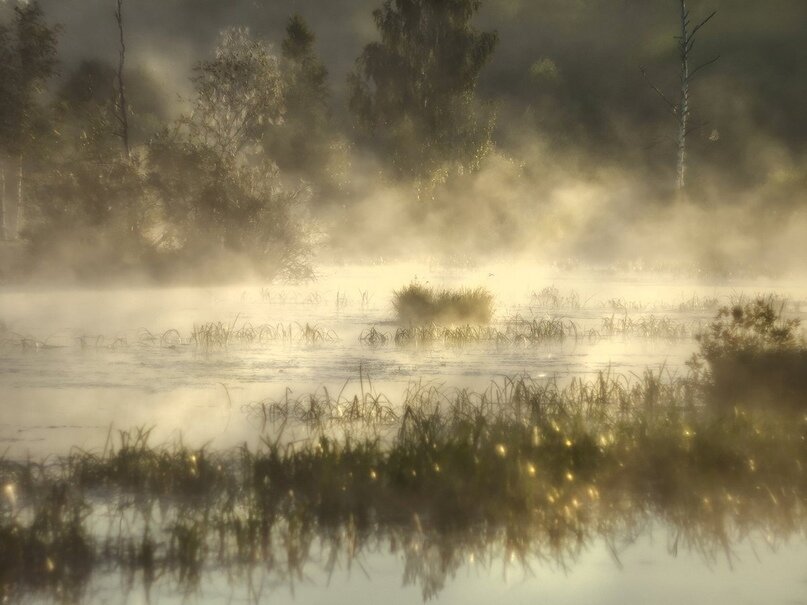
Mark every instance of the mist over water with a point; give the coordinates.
(442, 300)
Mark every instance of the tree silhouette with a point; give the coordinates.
(413, 93)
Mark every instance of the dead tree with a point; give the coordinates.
(3, 231)
(123, 111)
(682, 109)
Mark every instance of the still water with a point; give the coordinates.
(76, 363)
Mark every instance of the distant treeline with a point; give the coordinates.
(107, 173)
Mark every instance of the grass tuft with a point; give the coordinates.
(417, 304)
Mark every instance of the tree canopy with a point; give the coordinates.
(413, 92)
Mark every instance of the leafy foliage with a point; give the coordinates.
(752, 328)
(27, 62)
(754, 356)
(221, 196)
(301, 144)
(413, 93)
(238, 94)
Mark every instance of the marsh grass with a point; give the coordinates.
(699, 304)
(417, 304)
(374, 337)
(647, 326)
(206, 337)
(520, 331)
(323, 410)
(24, 342)
(218, 335)
(524, 470)
(552, 298)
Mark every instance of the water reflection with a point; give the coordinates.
(528, 473)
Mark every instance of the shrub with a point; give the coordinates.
(755, 356)
(419, 304)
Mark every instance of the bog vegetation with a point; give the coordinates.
(524, 469)
(419, 304)
(755, 355)
(529, 469)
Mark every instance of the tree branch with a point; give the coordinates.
(673, 106)
(700, 67)
(702, 23)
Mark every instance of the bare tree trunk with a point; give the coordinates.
(682, 109)
(20, 199)
(683, 104)
(3, 227)
(123, 112)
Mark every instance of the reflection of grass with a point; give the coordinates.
(418, 304)
(525, 470)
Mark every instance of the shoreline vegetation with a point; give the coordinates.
(525, 468)
(530, 469)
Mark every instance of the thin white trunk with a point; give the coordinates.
(20, 200)
(3, 227)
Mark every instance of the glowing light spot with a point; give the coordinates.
(373, 475)
(10, 492)
(531, 470)
(568, 443)
(569, 476)
(501, 451)
(436, 467)
(49, 565)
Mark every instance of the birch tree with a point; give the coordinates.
(28, 61)
(239, 93)
(221, 195)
